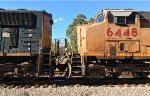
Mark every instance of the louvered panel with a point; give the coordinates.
(19, 19)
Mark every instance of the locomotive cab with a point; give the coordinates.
(123, 30)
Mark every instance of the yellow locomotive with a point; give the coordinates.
(116, 45)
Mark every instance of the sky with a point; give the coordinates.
(64, 11)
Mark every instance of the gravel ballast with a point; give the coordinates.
(77, 90)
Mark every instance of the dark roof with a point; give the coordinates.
(145, 15)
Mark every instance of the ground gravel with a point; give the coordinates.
(77, 90)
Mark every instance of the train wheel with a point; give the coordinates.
(95, 73)
(28, 71)
(28, 76)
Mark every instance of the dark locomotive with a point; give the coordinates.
(25, 39)
(116, 45)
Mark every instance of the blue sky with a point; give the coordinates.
(64, 11)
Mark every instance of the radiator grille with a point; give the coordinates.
(18, 19)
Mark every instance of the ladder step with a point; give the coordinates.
(77, 76)
(60, 72)
(44, 76)
(76, 58)
(76, 54)
(58, 76)
(75, 62)
(76, 66)
(76, 71)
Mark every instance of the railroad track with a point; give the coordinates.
(76, 85)
(55, 89)
(107, 82)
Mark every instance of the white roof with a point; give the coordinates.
(120, 13)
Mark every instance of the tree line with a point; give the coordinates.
(71, 31)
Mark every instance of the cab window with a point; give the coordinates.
(122, 19)
(99, 18)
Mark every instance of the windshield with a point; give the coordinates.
(99, 17)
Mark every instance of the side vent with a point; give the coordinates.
(18, 19)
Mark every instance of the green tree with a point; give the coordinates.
(71, 32)
(91, 20)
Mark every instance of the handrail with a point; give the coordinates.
(70, 67)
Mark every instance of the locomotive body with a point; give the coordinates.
(25, 38)
(118, 42)
(116, 45)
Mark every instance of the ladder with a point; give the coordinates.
(76, 66)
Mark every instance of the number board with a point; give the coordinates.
(122, 33)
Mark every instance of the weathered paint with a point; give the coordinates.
(104, 39)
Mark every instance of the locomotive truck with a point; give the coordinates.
(116, 45)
